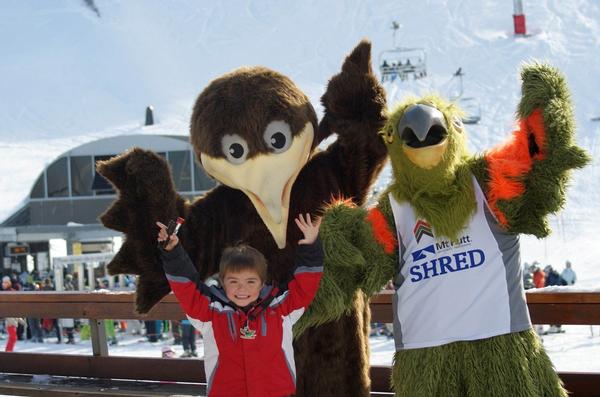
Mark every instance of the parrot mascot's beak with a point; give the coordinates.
(424, 135)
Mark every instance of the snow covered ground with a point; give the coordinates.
(575, 350)
(70, 77)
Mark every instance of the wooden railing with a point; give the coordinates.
(545, 308)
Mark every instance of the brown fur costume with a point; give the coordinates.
(332, 359)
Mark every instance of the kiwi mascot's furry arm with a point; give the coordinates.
(354, 105)
(146, 194)
(524, 179)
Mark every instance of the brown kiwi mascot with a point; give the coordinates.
(256, 133)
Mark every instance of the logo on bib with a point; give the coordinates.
(422, 253)
(445, 264)
(422, 228)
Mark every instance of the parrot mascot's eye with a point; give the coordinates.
(458, 124)
(234, 148)
(278, 136)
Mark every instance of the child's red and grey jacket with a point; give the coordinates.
(242, 365)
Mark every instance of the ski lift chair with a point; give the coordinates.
(400, 63)
(472, 110)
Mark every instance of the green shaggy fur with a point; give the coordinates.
(347, 243)
(545, 185)
(345, 266)
(513, 365)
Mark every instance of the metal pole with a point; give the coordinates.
(58, 278)
(80, 277)
(111, 279)
(91, 278)
(57, 268)
(518, 7)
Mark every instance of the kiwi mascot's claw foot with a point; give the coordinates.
(446, 231)
(257, 133)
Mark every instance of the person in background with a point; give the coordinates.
(16, 284)
(539, 278)
(69, 284)
(35, 324)
(68, 324)
(553, 279)
(7, 284)
(188, 339)
(47, 285)
(527, 276)
(10, 323)
(167, 352)
(24, 278)
(539, 281)
(568, 274)
(176, 330)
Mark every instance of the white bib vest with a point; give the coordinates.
(449, 291)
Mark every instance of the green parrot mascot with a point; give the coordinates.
(446, 230)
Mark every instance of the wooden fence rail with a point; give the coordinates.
(545, 308)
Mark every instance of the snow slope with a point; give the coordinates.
(71, 76)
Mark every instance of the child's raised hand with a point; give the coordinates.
(309, 228)
(163, 236)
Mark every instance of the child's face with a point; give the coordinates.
(243, 287)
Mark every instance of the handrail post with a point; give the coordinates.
(98, 336)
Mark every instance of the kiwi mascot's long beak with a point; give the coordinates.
(267, 180)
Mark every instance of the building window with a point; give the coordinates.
(181, 170)
(38, 190)
(100, 185)
(57, 178)
(202, 181)
(82, 175)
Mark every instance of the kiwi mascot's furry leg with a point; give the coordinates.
(346, 372)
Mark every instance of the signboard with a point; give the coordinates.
(16, 249)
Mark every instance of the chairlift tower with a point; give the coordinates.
(395, 27)
(469, 105)
(519, 18)
(459, 73)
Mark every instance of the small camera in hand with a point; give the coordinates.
(172, 229)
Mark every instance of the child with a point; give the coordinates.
(167, 352)
(11, 324)
(246, 325)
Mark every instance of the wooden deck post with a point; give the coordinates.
(98, 335)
